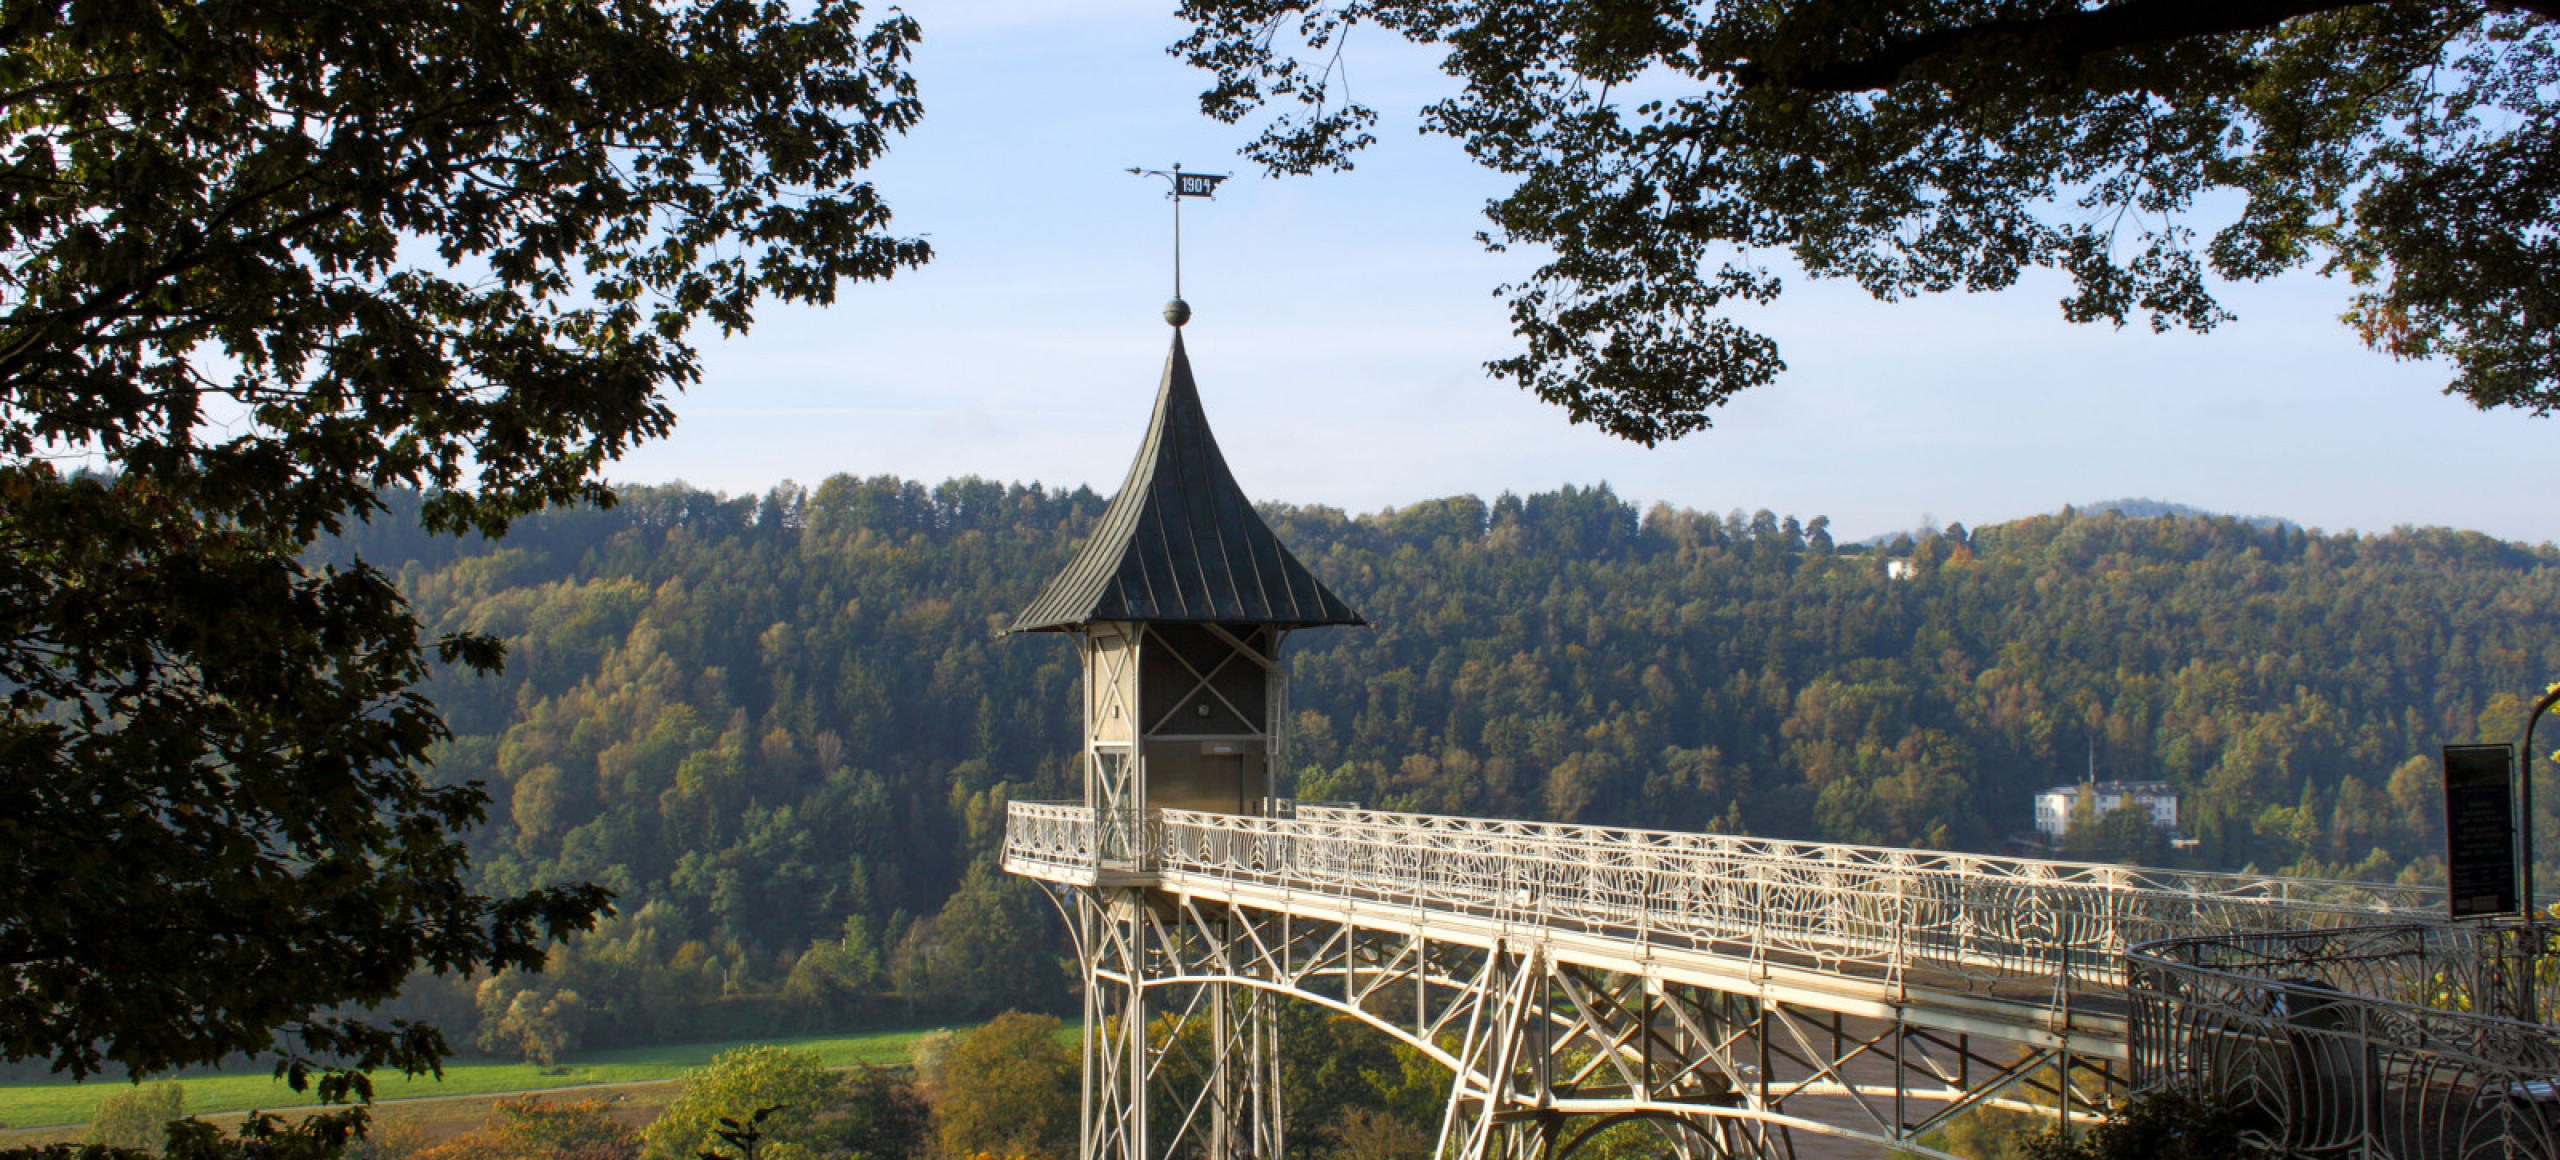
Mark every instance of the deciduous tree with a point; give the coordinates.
(259, 260)
(541, 1023)
(1666, 149)
(835, 978)
(997, 947)
(1008, 1089)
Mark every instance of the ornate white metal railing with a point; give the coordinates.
(1843, 908)
(2338, 1042)
(1063, 836)
(1050, 835)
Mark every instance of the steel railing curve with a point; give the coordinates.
(2348, 1041)
(1844, 907)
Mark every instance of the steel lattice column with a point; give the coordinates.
(1545, 1053)
(1176, 1064)
(1113, 951)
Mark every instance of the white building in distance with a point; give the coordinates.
(2054, 806)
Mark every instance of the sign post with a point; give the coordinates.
(2480, 830)
(2530, 945)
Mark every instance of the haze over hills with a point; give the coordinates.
(2130, 508)
(782, 728)
(2152, 509)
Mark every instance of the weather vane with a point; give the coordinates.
(1182, 185)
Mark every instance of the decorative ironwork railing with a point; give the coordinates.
(1058, 835)
(2338, 1042)
(1063, 836)
(1835, 907)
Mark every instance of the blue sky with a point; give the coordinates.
(1343, 322)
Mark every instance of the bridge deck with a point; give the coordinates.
(2005, 1006)
(2021, 948)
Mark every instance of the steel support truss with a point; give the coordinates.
(1182, 1060)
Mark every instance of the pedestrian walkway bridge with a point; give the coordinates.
(1747, 996)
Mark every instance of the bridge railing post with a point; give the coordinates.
(1651, 886)
(1893, 919)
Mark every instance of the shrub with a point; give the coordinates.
(2170, 1124)
(532, 1128)
(736, 1085)
(138, 1117)
(320, 1137)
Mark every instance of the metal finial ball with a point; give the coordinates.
(1177, 312)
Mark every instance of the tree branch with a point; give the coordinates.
(2071, 35)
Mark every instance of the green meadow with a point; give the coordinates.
(32, 1105)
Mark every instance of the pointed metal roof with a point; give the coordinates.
(1181, 542)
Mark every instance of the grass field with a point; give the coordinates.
(46, 1104)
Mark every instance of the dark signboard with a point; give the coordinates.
(2480, 829)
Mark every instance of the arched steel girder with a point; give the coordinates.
(1744, 1114)
(1201, 946)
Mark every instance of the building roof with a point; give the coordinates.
(2119, 788)
(1180, 542)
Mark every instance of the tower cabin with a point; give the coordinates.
(1178, 605)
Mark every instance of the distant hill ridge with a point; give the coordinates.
(2130, 508)
(2152, 509)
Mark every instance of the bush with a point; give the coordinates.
(532, 1128)
(927, 1055)
(2170, 1124)
(885, 1115)
(1987, 1133)
(138, 1117)
(320, 1137)
(795, 1085)
(1373, 1134)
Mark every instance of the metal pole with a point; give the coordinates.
(1202, 185)
(2527, 1009)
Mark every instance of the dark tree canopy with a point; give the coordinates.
(2142, 148)
(258, 260)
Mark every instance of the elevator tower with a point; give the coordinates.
(1178, 605)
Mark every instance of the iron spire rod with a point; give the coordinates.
(1180, 185)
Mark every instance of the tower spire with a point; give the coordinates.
(1181, 185)
(1180, 541)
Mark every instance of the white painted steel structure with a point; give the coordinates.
(1736, 991)
(2358, 1041)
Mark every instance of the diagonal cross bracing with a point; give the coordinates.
(1751, 990)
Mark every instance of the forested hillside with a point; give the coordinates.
(783, 728)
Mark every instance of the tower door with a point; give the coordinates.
(1205, 696)
(1224, 775)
